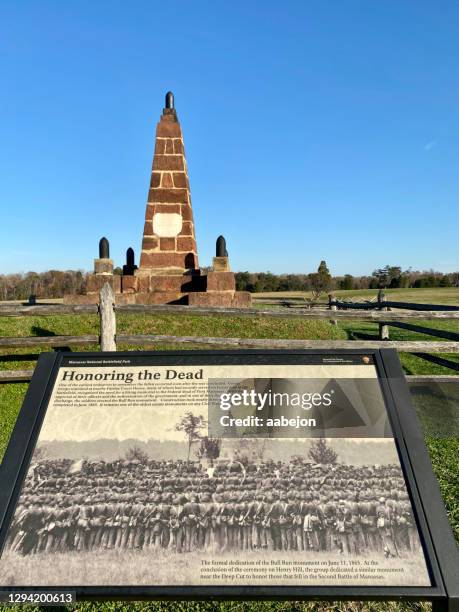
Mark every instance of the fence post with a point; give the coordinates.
(332, 306)
(107, 318)
(383, 329)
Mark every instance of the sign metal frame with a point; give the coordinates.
(440, 549)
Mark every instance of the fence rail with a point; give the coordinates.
(323, 313)
(400, 305)
(405, 346)
(108, 339)
(430, 331)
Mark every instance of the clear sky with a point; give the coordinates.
(313, 129)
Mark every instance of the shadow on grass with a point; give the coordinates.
(353, 335)
(19, 357)
(447, 363)
(41, 331)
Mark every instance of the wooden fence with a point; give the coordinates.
(382, 305)
(108, 339)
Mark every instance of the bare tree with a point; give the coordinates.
(191, 426)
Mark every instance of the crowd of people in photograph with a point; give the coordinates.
(186, 506)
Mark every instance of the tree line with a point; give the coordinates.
(322, 281)
(50, 284)
(57, 283)
(247, 451)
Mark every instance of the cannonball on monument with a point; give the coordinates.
(169, 100)
(104, 249)
(130, 257)
(129, 268)
(103, 265)
(220, 250)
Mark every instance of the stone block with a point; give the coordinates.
(164, 208)
(125, 298)
(155, 180)
(164, 284)
(167, 244)
(221, 264)
(223, 299)
(95, 282)
(149, 243)
(168, 195)
(143, 283)
(187, 229)
(180, 180)
(166, 180)
(89, 298)
(103, 266)
(169, 146)
(161, 297)
(178, 146)
(185, 243)
(221, 281)
(239, 299)
(163, 260)
(168, 129)
(187, 213)
(242, 299)
(168, 162)
(129, 284)
(169, 283)
(160, 147)
(148, 228)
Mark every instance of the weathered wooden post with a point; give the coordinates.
(107, 317)
(332, 306)
(383, 329)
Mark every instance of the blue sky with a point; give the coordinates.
(313, 130)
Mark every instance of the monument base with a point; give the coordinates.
(193, 289)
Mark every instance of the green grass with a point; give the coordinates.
(183, 325)
(215, 326)
(444, 452)
(11, 398)
(225, 327)
(363, 330)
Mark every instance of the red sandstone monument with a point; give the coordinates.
(168, 272)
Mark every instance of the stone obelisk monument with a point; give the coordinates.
(168, 271)
(169, 243)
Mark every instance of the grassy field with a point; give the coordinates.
(437, 295)
(444, 452)
(229, 327)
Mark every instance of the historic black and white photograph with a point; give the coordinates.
(163, 498)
